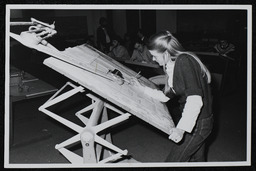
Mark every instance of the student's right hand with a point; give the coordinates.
(156, 94)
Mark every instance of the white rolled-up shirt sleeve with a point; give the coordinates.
(190, 113)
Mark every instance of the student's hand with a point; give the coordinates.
(176, 134)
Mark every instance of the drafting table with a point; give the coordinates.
(92, 70)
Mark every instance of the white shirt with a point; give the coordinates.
(169, 69)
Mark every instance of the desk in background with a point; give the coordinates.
(24, 86)
(146, 69)
(144, 64)
(214, 54)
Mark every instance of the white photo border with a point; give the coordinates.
(10, 7)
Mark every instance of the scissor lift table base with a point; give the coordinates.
(96, 149)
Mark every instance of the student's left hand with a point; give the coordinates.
(176, 134)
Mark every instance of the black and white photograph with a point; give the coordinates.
(127, 86)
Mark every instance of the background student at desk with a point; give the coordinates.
(141, 53)
(118, 51)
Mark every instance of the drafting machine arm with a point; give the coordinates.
(37, 33)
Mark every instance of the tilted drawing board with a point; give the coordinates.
(93, 70)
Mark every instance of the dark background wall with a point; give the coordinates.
(187, 24)
(213, 24)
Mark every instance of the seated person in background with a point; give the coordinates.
(128, 43)
(118, 51)
(141, 53)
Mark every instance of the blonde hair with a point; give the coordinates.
(165, 41)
